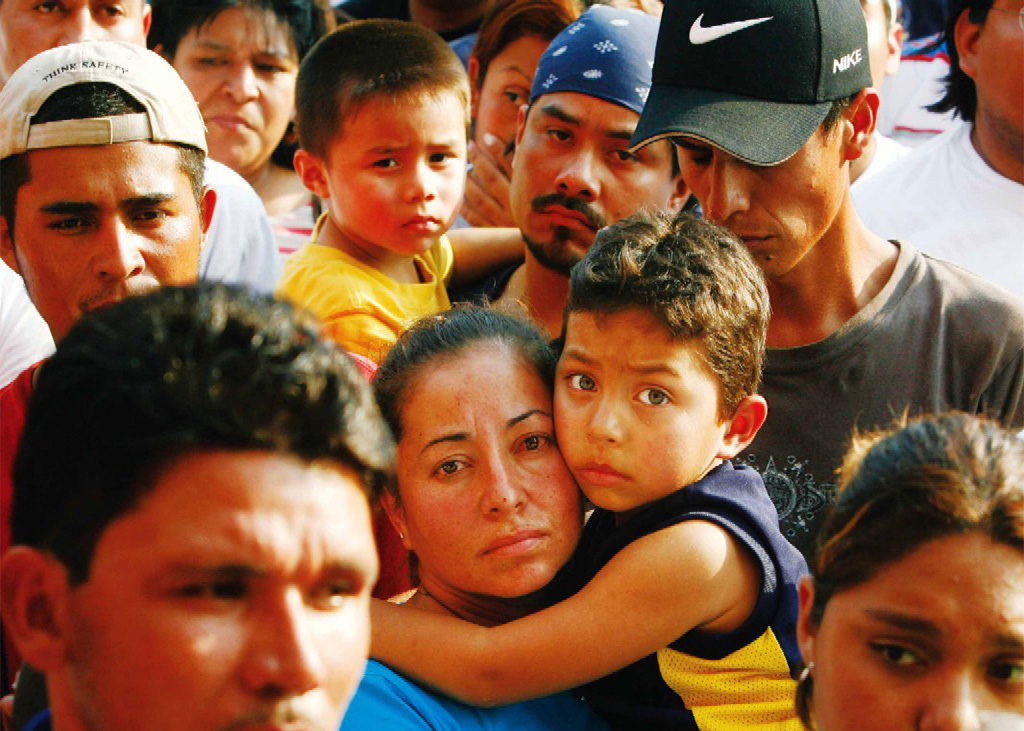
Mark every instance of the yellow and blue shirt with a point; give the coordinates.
(744, 679)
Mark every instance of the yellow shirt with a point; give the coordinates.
(359, 307)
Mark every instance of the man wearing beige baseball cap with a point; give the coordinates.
(240, 244)
(101, 193)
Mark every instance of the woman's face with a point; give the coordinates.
(487, 504)
(932, 641)
(505, 88)
(241, 68)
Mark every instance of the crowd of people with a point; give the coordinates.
(583, 367)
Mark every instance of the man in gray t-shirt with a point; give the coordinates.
(768, 110)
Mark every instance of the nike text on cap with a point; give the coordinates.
(171, 114)
(753, 77)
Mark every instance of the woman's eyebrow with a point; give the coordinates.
(526, 415)
(453, 437)
(905, 622)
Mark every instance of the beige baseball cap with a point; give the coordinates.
(171, 115)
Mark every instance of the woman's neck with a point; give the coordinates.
(479, 609)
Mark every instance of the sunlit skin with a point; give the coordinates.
(241, 67)
(780, 211)
(487, 503)
(28, 27)
(505, 88)
(992, 55)
(235, 596)
(497, 98)
(577, 146)
(902, 652)
(394, 175)
(626, 390)
(885, 40)
(123, 221)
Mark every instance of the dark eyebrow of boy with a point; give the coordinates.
(655, 368)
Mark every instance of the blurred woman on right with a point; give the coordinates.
(914, 615)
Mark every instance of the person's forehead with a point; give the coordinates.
(589, 111)
(247, 28)
(261, 511)
(136, 164)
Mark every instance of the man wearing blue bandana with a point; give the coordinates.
(573, 172)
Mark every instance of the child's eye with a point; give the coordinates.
(625, 156)
(385, 162)
(897, 655)
(438, 158)
(581, 382)
(653, 396)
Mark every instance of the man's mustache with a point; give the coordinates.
(594, 219)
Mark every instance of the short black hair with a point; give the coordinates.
(365, 59)
(138, 384)
(174, 19)
(960, 96)
(86, 101)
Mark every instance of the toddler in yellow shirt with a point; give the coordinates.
(382, 109)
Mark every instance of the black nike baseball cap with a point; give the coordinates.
(753, 77)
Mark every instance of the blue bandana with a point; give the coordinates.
(607, 53)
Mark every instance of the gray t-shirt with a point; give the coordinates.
(935, 338)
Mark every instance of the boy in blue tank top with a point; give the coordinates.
(682, 598)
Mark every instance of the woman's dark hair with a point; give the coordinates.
(960, 97)
(306, 21)
(509, 20)
(930, 478)
(438, 338)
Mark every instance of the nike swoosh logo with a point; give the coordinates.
(700, 34)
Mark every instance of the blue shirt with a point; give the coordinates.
(387, 700)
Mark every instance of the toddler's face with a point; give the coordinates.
(396, 172)
(636, 410)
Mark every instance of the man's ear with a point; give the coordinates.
(34, 593)
(858, 123)
(312, 172)
(680, 190)
(743, 426)
(966, 36)
(147, 18)
(806, 629)
(396, 514)
(207, 205)
(7, 245)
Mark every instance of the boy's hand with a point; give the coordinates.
(486, 201)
